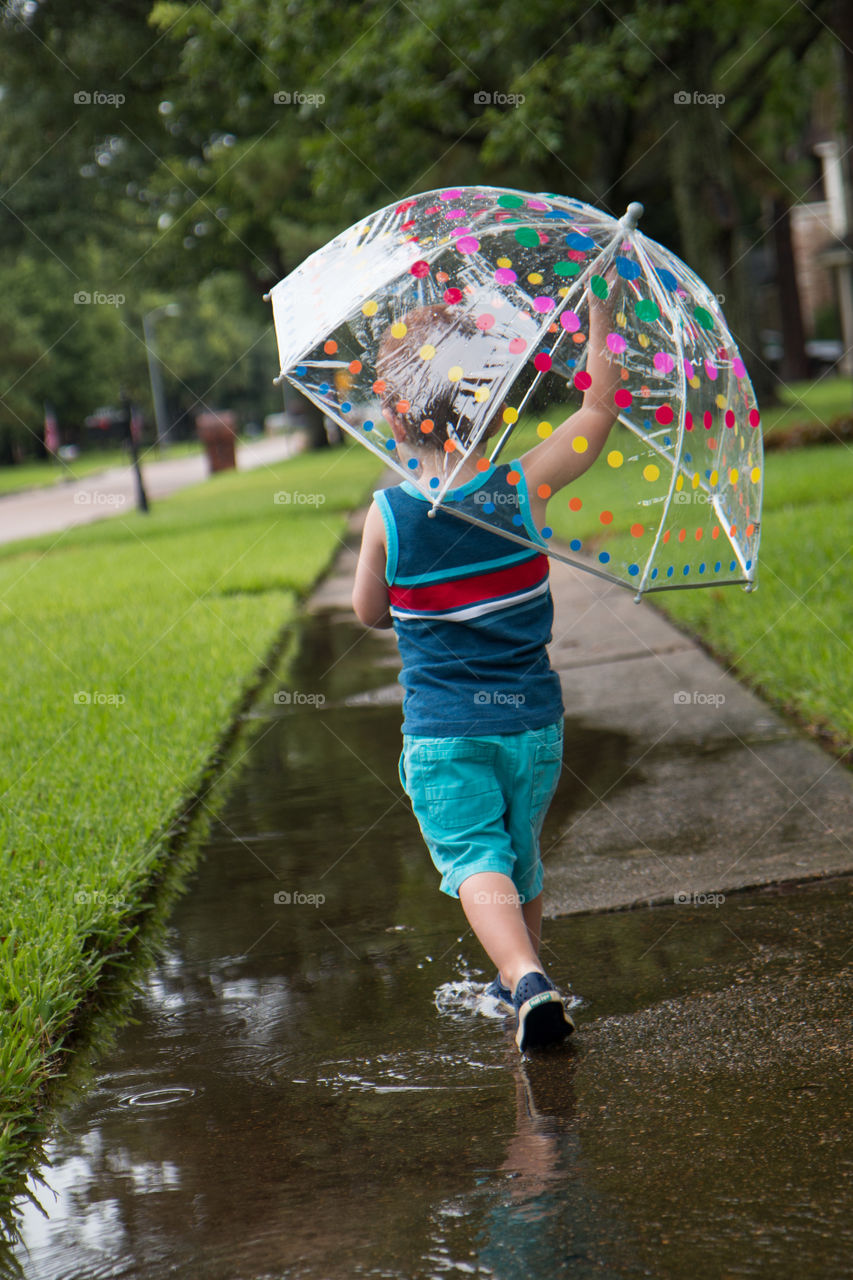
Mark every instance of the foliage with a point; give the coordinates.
(150, 146)
(75, 338)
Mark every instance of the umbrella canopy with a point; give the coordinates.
(462, 315)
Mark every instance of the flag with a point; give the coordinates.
(51, 429)
(136, 424)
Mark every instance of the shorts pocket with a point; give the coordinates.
(452, 782)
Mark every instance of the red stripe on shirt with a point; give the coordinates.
(436, 596)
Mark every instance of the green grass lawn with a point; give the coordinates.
(803, 403)
(792, 639)
(40, 475)
(127, 646)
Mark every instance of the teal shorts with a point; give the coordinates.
(481, 802)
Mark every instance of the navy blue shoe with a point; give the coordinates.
(498, 991)
(542, 1016)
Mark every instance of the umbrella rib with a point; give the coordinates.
(735, 546)
(682, 412)
(579, 285)
(751, 586)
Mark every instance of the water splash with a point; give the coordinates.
(464, 997)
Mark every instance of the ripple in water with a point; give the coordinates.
(158, 1097)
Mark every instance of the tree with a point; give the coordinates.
(67, 324)
(221, 351)
(19, 404)
(251, 131)
(593, 107)
(81, 86)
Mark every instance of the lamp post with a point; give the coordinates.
(154, 372)
(130, 441)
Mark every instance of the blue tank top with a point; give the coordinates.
(472, 611)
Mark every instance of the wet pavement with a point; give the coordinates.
(312, 1085)
(716, 791)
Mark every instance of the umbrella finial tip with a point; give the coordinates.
(632, 215)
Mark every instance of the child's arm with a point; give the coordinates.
(370, 590)
(554, 462)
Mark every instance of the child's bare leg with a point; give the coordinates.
(532, 912)
(490, 901)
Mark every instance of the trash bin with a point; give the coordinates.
(217, 432)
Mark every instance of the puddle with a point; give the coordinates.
(315, 1086)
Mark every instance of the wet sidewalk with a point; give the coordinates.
(702, 788)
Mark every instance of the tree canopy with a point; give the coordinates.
(157, 149)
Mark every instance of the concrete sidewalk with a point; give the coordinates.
(679, 782)
(108, 493)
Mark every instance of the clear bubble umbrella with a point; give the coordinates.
(463, 314)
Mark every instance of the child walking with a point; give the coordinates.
(472, 613)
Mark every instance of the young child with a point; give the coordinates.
(472, 612)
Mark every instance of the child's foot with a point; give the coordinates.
(499, 992)
(542, 1016)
